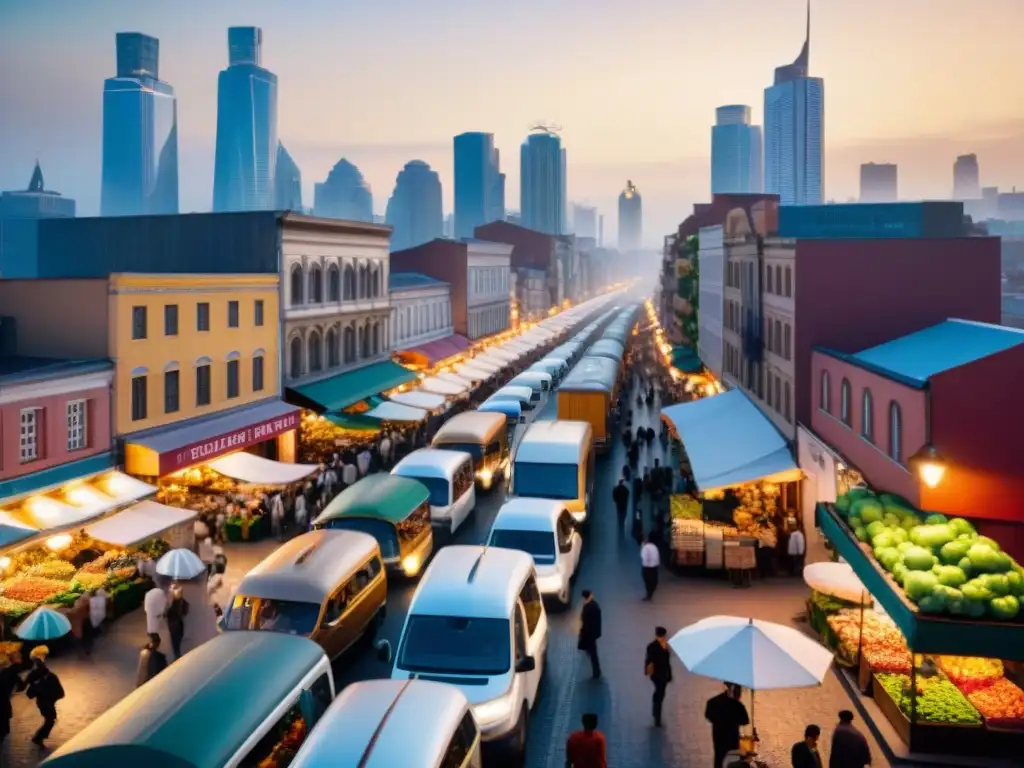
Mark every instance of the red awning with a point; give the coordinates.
(441, 349)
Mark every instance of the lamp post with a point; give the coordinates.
(928, 463)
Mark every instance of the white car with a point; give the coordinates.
(546, 531)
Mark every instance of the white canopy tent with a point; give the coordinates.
(454, 378)
(391, 411)
(492, 361)
(141, 522)
(250, 468)
(482, 363)
(474, 373)
(500, 353)
(417, 399)
(441, 387)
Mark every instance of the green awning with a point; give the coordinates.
(686, 360)
(345, 389)
(925, 634)
(383, 496)
(353, 421)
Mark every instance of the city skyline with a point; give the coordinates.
(898, 122)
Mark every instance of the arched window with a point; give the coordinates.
(361, 339)
(778, 337)
(378, 282)
(376, 338)
(295, 358)
(316, 284)
(844, 402)
(363, 282)
(296, 285)
(350, 344)
(364, 342)
(349, 283)
(895, 432)
(333, 358)
(333, 283)
(314, 350)
(778, 279)
(867, 416)
(824, 397)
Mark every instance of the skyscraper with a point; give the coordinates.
(794, 131)
(36, 201)
(140, 133)
(246, 157)
(630, 219)
(736, 157)
(543, 183)
(344, 195)
(878, 183)
(414, 210)
(966, 178)
(584, 220)
(287, 182)
(479, 183)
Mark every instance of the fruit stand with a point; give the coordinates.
(946, 615)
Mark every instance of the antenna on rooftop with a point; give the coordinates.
(543, 126)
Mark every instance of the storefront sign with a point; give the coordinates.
(206, 450)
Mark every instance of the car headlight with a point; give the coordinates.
(411, 565)
(493, 711)
(485, 475)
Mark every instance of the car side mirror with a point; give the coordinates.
(565, 547)
(383, 648)
(526, 664)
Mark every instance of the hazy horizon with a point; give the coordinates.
(634, 87)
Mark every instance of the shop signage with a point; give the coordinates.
(206, 450)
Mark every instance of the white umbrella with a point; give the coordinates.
(43, 624)
(180, 565)
(837, 580)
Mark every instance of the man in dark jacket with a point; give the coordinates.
(621, 497)
(727, 715)
(849, 747)
(658, 667)
(805, 753)
(590, 631)
(152, 661)
(43, 686)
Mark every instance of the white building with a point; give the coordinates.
(488, 288)
(711, 259)
(421, 310)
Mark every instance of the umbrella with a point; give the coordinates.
(43, 624)
(837, 580)
(758, 655)
(180, 564)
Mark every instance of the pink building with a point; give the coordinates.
(954, 386)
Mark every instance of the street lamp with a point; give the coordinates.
(929, 465)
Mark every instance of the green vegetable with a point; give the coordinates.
(854, 522)
(861, 534)
(1005, 562)
(843, 504)
(984, 558)
(935, 519)
(891, 519)
(918, 559)
(935, 603)
(899, 573)
(967, 567)
(931, 536)
(990, 542)
(953, 552)
(909, 522)
(887, 556)
(1016, 582)
(973, 608)
(875, 528)
(961, 526)
(899, 535)
(868, 510)
(977, 589)
(1004, 608)
(895, 500)
(956, 603)
(882, 539)
(919, 584)
(903, 546)
(949, 575)
(859, 492)
(938, 700)
(996, 583)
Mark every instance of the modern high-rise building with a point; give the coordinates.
(414, 210)
(246, 157)
(584, 220)
(287, 182)
(736, 155)
(140, 133)
(344, 195)
(36, 201)
(794, 131)
(878, 183)
(630, 219)
(966, 178)
(543, 183)
(479, 183)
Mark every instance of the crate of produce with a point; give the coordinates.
(739, 557)
(689, 558)
(1001, 704)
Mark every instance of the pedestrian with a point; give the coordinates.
(627, 473)
(620, 495)
(349, 474)
(81, 628)
(849, 747)
(220, 521)
(586, 748)
(650, 562)
(177, 610)
(206, 554)
(634, 455)
(152, 661)
(43, 686)
(796, 550)
(199, 529)
(220, 561)
(627, 436)
(300, 511)
(767, 541)
(363, 461)
(805, 753)
(727, 715)
(98, 609)
(155, 606)
(590, 631)
(277, 517)
(385, 450)
(658, 667)
(10, 681)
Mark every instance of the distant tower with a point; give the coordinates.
(584, 221)
(287, 182)
(414, 210)
(36, 201)
(479, 183)
(630, 219)
(344, 195)
(140, 133)
(246, 156)
(966, 178)
(878, 183)
(736, 156)
(543, 182)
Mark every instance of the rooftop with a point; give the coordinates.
(399, 281)
(21, 369)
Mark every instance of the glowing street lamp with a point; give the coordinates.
(929, 465)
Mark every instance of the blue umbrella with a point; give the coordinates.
(43, 624)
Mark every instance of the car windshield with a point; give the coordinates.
(540, 545)
(381, 530)
(546, 481)
(438, 487)
(455, 645)
(473, 449)
(411, 528)
(290, 617)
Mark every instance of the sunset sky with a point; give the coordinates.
(633, 83)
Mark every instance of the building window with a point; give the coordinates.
(349, 345)
(139, 398)
(844, 402)
(257, 373)
(778, 395)
(349, 283)
(172, 391)
(895, 432)
(257, 313)
(203, 381)
(789, 281)
(296, 285)
(333, 357)
(786, 402)
(138, 323)
(232, 379)
(313, 353)
(778, 279)
(232, 314)
(778, 337)
(316, 284)
(787, 342)
(867, 425)
(376, 338)
(295, 358)
(77, 435)
(364, 280)
(170, 319)
(768, 274)
(824, 396)
(29, 441)
(333, 283)
(202, 316)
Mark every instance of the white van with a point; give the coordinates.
(554, 366)
(525, 395)
(543, 529)
(555, 460)
(538, 381)
(477, 621)
(448, 476)
(391, 723)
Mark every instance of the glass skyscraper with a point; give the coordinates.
(630, 219)
(287, 181)
(140, 133)
(479, 183)
(246, 157)
(344, 195)
(543, 183)
(414, 210)
(736, 157)
(794, 132)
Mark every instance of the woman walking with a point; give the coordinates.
(177, 610)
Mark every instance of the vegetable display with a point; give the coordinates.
(686, 507)
(881, 644)
(1000, 701)
(942, 565)
(970, 674)
(938, 700)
